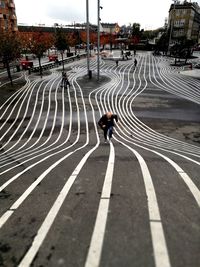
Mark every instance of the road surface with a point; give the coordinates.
(68, 199)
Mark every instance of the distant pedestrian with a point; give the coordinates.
(134, 52)
(117, 62)
(106, 123)
(63, 78)
(135, 62)
(65, 82)
(56, 62)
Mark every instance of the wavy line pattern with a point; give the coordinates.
(44, 126)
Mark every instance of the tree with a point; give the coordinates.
(72, 39)
(9, 49)
(182, 49)
(38, 43)
(150, 34)
(163, 43)
(61, 43)
(136, 30)
(25, 42)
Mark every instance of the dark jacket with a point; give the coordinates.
(108, 122)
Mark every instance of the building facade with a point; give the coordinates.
(110, 28)
(8, 19)
(184, 21)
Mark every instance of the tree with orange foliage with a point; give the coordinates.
(10, 48)
(25, 39)
(72, 39)
(83, 36)
(61, 43)
(38, 43)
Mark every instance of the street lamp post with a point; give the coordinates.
(88, 38)
(171, 28)
(98, 38)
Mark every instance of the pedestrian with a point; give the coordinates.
(56, 62)
(63, 78)
(65, 82)
(135, 62)
(134, 52)
(117, 63)
(106, 123)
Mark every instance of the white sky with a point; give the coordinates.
(150, 14)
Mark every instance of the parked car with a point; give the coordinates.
(53, 58)
(26, 64)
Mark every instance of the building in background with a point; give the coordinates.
(8, 19)
(184, 21)
(110, 28)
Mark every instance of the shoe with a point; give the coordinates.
(105, 141)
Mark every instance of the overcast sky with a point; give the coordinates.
(150, 14)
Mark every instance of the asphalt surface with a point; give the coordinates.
(69, 199)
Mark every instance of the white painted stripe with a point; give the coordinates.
(96, 244)
(109, 174)
(22, 120)
(42, 232)
(154, 213)
(26, 152)
(5, 217)
(46, 225)
(188, 181)
(159, 245)
(40, 154)
(158, 238)
(157, 232)
(94, 253)
(193, 188)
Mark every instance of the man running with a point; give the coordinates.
(106, 123)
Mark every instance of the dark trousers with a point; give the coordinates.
(65, 83)
(108, 131)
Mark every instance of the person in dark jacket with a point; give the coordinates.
(65, 82)
(135, 62)
(106, 123)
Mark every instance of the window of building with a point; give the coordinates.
(182, 22)
(180, 32)
(179, 23)
(180, 12)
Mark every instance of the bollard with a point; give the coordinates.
(90, 74)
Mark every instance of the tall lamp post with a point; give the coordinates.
(171, 26)
(88, 39)
(98, 37)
